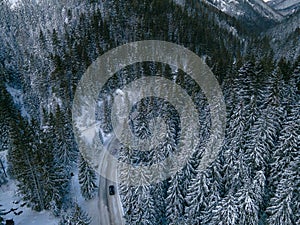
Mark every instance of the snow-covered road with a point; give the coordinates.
(109, 206)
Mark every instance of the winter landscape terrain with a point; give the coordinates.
(251, 46)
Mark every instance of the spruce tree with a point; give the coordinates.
(175, 200)
(247, 205)
(87, 179)
(225, 212)
(24, 164)
(283, 205)
(196, 198)
(66, 153)
(55, 180)
(7, 115)
(75, 216)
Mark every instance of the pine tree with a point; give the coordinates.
(24, 164)
(196, 198)
(247, 205)
(41, 180)
(233, 147)
(87, 179)
(260, 142)
(3, 173)
(175, 200)
(66, 153)
(55, 181)
(148, 214)
(283, 205)
(7, 114)
(225, 212)
(159, 195)
(75, 216)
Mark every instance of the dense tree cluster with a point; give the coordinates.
(255, 178)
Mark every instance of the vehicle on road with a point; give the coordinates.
(111, 189)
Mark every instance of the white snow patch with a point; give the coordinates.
(17, 96)
(233, 31)
(89, 206)
(180, 2)
(10, 199)
(89, 133)
(14, 3)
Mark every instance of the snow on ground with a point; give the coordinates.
(10, 200)
(90, 206)
(285, 4)
(14, 3)
(17, 96)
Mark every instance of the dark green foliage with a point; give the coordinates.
(22, 159)
(283, 206)
(41, 180)
(3, 173)
(75, 216)
(255, 178)
(175, 200)
(65, 149)
(87, 179)
(7, 115)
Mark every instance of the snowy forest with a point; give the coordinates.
(45, 48)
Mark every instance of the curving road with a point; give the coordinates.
(109, 206)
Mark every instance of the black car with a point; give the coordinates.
(10, 222)
(111, 189)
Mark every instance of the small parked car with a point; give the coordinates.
(111, 189)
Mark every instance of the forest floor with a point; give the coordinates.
(13, 204)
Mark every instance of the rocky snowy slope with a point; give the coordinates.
(285, 37)
(250, 9)
(285, 7)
